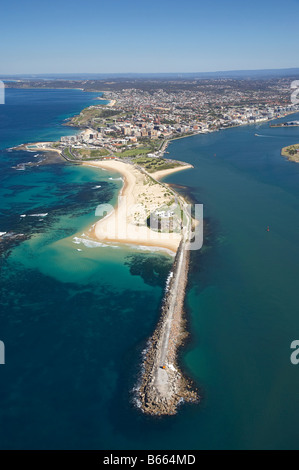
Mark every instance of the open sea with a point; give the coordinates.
(75, 315)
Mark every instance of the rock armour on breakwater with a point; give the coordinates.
(163, 386)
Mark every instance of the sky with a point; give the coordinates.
(149, 36)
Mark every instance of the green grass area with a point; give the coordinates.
(135, 152)
(148, 146)
(90, 153)
(84, 154)
(155, 164)
(88, 115)
(67, 154)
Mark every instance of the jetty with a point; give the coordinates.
(286, 124)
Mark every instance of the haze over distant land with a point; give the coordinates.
(263, 73)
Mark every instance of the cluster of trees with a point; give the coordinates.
(292, 150)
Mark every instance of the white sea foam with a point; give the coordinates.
(91, 243)
(136, 398)
(38, 215)
(152, 249)
(171, 366)
(97, 187)
(23, 215)
(268, 136)
(2, 233)
(86, 242)
(170, 275)
(116, 179)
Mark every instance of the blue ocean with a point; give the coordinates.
(75, 315)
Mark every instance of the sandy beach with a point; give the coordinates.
(111, 103)
(126, 224)
(162, 173)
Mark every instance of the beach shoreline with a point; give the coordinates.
(115, 226)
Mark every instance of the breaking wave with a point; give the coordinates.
(91, 243)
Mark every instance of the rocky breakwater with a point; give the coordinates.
(163, 386)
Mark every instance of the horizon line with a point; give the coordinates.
(153, 73)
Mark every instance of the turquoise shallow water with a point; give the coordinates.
(75, 322)
(75, 316)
